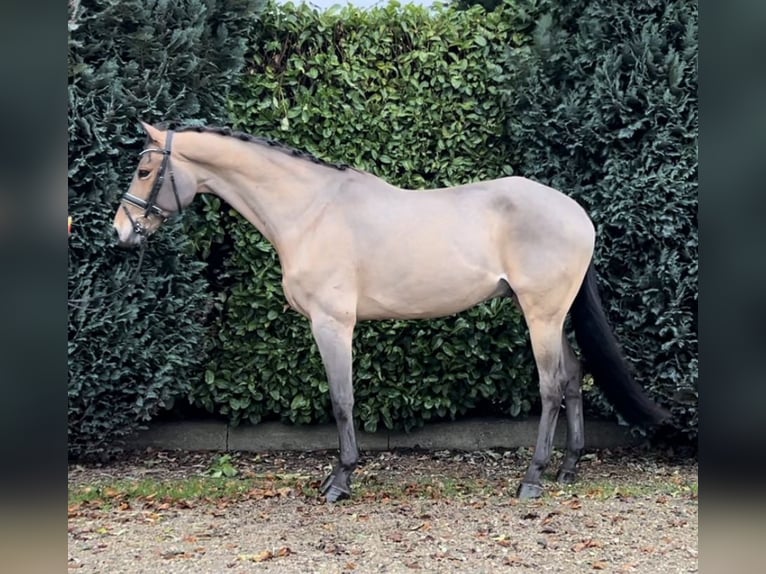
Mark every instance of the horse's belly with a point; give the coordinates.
(421, 296)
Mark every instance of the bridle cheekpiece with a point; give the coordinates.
(149, 205)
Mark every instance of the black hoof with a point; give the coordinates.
(331, 491)
(528, 491)
(335, 494)
(566, 476)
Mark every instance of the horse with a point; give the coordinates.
(354, 248)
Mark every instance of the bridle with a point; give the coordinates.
(150, 208)
(149, 205)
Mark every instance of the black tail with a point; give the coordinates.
(604, 360)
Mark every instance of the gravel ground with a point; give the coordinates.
(412, 512)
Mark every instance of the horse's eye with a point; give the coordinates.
(143, 173)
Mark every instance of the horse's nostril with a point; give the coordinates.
(125, 236)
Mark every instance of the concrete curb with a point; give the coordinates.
(466, 435)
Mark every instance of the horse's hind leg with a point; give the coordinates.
(334, 339)
(546, 338)
(573, 403)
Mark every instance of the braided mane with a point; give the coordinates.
(228, 132)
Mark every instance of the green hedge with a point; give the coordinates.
(133, 353)
(605, 108)
(411, 96)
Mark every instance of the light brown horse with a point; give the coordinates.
(353, 247)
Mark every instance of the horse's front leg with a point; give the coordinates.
(334, 338)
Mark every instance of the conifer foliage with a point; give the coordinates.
(132, 352)
(605, 108)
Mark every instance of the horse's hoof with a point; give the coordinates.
(566, 476)
(336, 494)
(528, 491)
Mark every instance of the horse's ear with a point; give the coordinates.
(154, 133)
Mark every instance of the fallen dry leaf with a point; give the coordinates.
(589, 543)
(574, 504)
(335, 549)
(170, 554)
(599, 565)
(550, 516)
(260, 557)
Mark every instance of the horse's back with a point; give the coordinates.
(510, 213)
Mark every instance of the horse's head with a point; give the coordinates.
(156, 193)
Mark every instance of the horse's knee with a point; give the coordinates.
(551, 393)
(573, 389)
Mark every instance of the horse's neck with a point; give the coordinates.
(274, 191)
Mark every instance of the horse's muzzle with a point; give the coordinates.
(128, 238)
